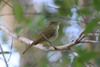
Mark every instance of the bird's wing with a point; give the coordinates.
(47, 33)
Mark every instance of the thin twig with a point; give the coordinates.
(59, 8)
(88, 41)
(11, 50)
(76, 41)
(81, 15)
(5, 52)
(6, 14)
(79, 12)
(79, 36)
(22, 39)
(82, 37)
(74, 53)
(47, 39)
(7, 3)
(93, 34)
(3, 55)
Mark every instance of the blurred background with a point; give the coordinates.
(24, 17)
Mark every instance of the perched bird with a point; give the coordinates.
(51, 33)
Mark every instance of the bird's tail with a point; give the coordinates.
(34, 43)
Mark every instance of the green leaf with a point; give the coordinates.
(85, 56)
(76, 2)
(64, 7)
(18, 12)
(85, 11)
(28, 20)
(64, 12)
(96, 4)
(91, 25)
(78, 65)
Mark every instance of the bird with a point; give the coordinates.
(51, 33)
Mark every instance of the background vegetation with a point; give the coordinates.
(24, 17)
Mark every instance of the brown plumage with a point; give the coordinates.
(41, 39)
(51, 33)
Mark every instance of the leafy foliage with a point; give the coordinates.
(91, 25)
(28, 20)
(18, 12)
(85, 56)
(64, 7)
(96, 4)
(64, 10)
(85, 12)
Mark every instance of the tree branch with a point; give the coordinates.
(44, 47)
(7, 3)
(3, 56)
(88, 41)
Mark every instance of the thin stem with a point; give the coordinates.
(7, 3)
(3, 55)
(11, 50)
(47, 39)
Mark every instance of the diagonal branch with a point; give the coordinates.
(22, 39)
(79, 11)
(46, 39)
(88, 41)
(3, 56)
(5, 52)
(7, 3)
(44, 47)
